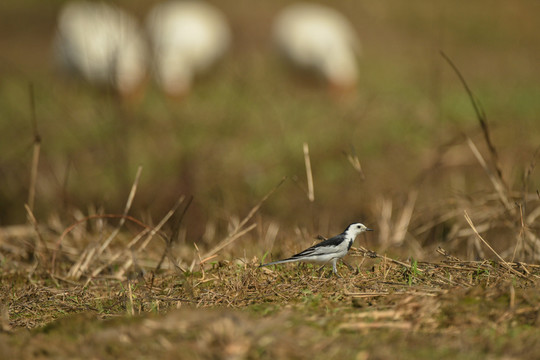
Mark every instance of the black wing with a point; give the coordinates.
(327, 244)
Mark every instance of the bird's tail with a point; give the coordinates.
(279, 262)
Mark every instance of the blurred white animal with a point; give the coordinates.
(320, 39)
(102, 44)
(187, 37)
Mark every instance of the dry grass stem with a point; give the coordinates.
(148, 232)
(394, 232)
(366, 294)
(504, 263)
(309, 174)
(402, 225)
(90, 253)
(37, 231)
(130, 308)
(35, 152)
(482, 119)
(239, 231)
(521, 236)
(70, 228)
(229, 240)
(401, 325)
(129, 202)
(258, 206)
(497, 184)
(361, 251)
(149, 236)
(355, 162)
(174, 236)
(271, 235)
(33, 174)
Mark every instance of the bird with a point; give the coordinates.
(328, 251)
(101, 44)
(321, 40)
(187, 38)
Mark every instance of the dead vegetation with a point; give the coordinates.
(234, 310)
(450, 276)
(110, 268)
(214, 301)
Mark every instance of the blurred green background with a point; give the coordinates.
(241, 129)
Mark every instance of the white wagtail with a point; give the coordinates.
(329, 250)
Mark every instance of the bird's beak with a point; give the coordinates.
(368, 229)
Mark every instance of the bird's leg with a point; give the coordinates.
(334, 268)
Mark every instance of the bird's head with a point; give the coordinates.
(356, 228)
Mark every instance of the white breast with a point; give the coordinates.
(102, 44)
(321, 39)
(187, 37)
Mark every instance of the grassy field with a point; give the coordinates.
(146, 220)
